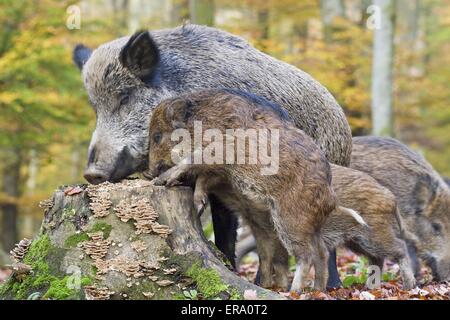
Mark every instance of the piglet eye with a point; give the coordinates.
(124, 100)
(157, 137)
(437, 228)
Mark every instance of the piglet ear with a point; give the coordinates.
(178, 112)
(424, 193)
(140, 55)
(80, 55)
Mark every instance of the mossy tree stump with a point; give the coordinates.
(129, 240)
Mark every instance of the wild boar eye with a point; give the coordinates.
(124, 100)
(157, 137)
(437, 228)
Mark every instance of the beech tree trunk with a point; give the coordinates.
(329, 11)
(202, 12)
(129, 240)
(10, 188)
(134, 7)
(382, 71)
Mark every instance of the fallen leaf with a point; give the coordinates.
(365, 295)
(250, 295)
(70, 191)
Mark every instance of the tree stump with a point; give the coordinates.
(129, 240)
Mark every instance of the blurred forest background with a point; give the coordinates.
(46, 121)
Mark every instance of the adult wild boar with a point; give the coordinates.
(447, 180)
(422, 196)
(126, 78)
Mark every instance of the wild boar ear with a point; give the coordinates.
(424, 193)
(80, 55)
(140, 55)
(178, 112)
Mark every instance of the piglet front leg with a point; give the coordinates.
(172, 176)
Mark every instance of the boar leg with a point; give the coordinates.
(320, 258)
(406, 271)
(280, 265)
(280, 268)
(225, 224)
(302, 267)
(265, 247)
(412, 252)
(333, 275)
(404, 262)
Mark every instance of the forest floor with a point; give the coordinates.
(353, 273)
(353, 270)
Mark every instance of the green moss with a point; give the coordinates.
(6, 287)
(94, 270)
(43, 279)
(235, 295)
(75, 239)
(102, 226)
(68, 213)
(38, 251)
(58, 289)
(208, 230)
(179, 296)
(207, 280)
(86, 281)
(35, 257)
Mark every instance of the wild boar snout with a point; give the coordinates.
(105, 167)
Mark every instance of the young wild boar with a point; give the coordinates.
(423, 198)
(383, 238)
(289, 204)
(377, 206)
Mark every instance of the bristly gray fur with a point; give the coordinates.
(193, 57)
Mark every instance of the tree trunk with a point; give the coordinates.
(202, 12)
(134, 16)
(179, 12)
(75, 163)
(119, 9)
(27, 222)
(10, 186)
(129, 240)
(329, 11)
(408, 12)
(383, 54)
(4, 258)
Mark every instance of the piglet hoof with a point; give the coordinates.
(148, 175)
(172, 183)
(159, 181)
(409, 284)
(165, 181)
